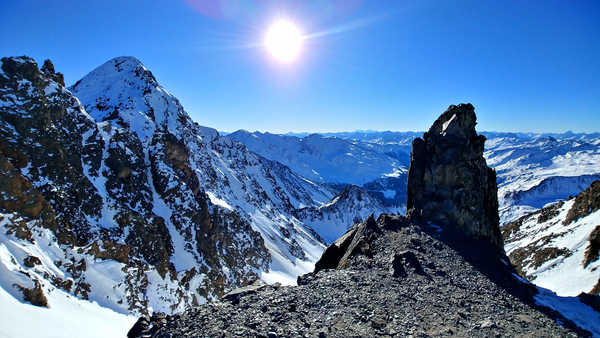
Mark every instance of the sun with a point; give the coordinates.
(283, 41)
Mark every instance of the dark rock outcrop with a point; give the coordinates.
(586, 202)
(449, 182)
(336, 255)
(592, 252)
(34, 295)
(405, 262)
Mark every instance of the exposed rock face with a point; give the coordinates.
(586, 202)
(449, 183)
(336, 255)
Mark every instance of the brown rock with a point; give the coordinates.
(111, 250)
(585, 203)
(592, 252)
(35, 295)
(31, 261)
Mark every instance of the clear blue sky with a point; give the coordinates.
(391, 65)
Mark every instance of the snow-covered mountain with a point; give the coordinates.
(532, 169)
(353, 205)
(262, 192)
(558, 247)
(323, 159)
(539, 169)
(380, 168)
(113, 195)
(114, 202)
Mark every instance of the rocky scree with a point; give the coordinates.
(393, 278)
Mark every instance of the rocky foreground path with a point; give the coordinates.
(399, 279)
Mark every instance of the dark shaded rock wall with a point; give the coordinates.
(449, 182)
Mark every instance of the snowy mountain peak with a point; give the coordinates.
(176, 213)
(126, 93)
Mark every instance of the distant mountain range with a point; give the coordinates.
(533, 169)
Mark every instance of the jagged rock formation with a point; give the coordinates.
(449, 182)
(398, 276)
(558, 246)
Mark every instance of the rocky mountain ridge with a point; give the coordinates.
(403, 275)
(112, 194)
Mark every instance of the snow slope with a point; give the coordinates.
(551, 253)
(67, 315)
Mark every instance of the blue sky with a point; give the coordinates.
(390, 65)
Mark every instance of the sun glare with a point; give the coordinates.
(283, 41)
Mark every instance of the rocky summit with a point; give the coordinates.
(415, 275)
(384, 277)
(449, 182)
